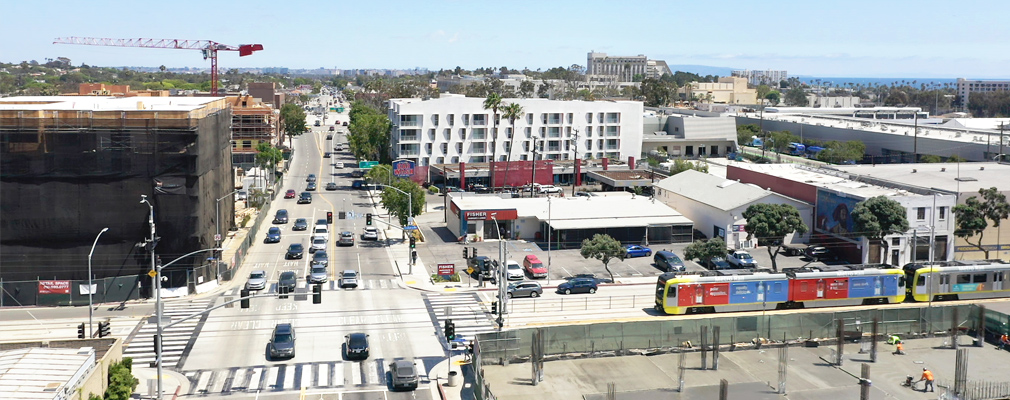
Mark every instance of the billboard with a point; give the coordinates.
(834, 213)
(403, 168)
(54, 287)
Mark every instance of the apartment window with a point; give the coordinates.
(452, 119)
(508, 146)
(434, 119)
(920, 213)
(447, 133)
(445, 149)
(589, 131)
(462, 133)
(543, 118)
(459, 149)
(440, 160)
(599, 118)
(570, 116)
(568, 131)
(234, 144)
(455, 159)
(554, 145)
(613, 130)
(589, 146)
(431, 134)
(613, 118)
(529, 132)
(480, 147)
(410, 120)
(943, 213)
(479, 134)
(613, 144)
(543, 132)
(554, 118)
(480, 119)
(466, 119)
(529, 119)
(247, 144)
(589, 117)
(508, 132)
(409, 135)
(568, 145)
(427, 149)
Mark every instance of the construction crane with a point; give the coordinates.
(208, 47)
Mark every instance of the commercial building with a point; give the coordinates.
(716, 205)
(73, 165)
(686, 136)
(625, 217)
(252, 122)
(600, 66)
(454, 128)
(835, 194)
(766, 77)
(728, 90)
(964, 179)
(267, 92)
(965, 87)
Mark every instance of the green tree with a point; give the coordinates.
(293, 121)
(267, 157)
(369, 133)
(774, 97)
(762, 91)
(842, 152)
(955, 159)
(493, 102)
(397, 203)
(770, 223)
(973, 216)
(705, 250)
(122, 383)
(780, 140)
(681, 165)
(879, 216)
(796, 96)
(512, 112)
(604, 248)
(382, 173)
(746, 133)
(657, 92)
(930, 158)
(526, 89)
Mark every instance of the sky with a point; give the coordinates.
(825, 38)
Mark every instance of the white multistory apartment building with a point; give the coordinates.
(454, 128)
(965, 87)
(599, 66)
(766, 77)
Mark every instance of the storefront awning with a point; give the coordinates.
(629, 222)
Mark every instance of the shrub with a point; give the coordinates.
(122, 383)
(452, 278)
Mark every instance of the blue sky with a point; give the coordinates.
(828, 38)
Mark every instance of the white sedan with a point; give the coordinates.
(371, 233)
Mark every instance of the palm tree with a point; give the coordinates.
(493, 103)
(511, 111)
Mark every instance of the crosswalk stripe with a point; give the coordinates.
(419, 367)
(302, 376)
(205, 378)
(220, 379)
(384, 284)
(322, 375)
(289, 378)
(254, 378)
(336, 374)
(372, 370)
(355, 371)
(277, 376)
(238, 381)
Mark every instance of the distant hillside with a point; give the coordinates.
(703, 69)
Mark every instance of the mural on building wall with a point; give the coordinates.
(834, 213)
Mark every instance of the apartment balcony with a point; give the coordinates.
(409, 138)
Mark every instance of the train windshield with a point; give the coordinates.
(659, 289)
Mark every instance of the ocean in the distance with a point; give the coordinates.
(880, 81)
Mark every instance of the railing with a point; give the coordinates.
(585, 303)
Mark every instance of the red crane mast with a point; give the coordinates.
(208, 47)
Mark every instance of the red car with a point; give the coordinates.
(290, 194)
(534, 267)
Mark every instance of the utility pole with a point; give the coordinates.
(575, 167)
(915, 140)
(156, 276)
(533, 161)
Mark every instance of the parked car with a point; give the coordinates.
(346, 239)
(524, 289)
(305, 198)
(289, 280)
(794, 249)
(741, 259)
(344, 123)
(356, 346)
(338, 165)
(241, 195)
(320, 258)
(311, 186)
(404, 374)
(273, 235)
(318, 243)
(290, 194)
(311, 178)
(282, 341)
(331, 186)
(300, 225)
(634, 250)
(717, 263)
(668, 261)
(817, 253)
(317, 273)
(578, 285)
(371, 233)
(281, 217)
(257, 280)
(513, 270)
(550, 189)
(295, 252)
(349, 278)
(534, 267)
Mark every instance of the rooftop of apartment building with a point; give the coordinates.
(824, 178)
(954, 177)
(479, 101)
(105, 103)
(953, 130)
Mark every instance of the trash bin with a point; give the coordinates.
(453, 378)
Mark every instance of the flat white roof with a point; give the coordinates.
(823, 179)
(105, 103)
(955, 177)
(40, 373)
(894, 127)
(582, 212)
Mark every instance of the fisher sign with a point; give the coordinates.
(446, 269)
(403, 168)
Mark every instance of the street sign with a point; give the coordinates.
(470, 270)
(446, 269)
(403, 168)
(152, 273)
(410, 228)
(217, 237)
(367, 164)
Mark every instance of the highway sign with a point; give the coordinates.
(367, 164)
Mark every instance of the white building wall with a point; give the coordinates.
(455, 128)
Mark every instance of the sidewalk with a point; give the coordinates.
(439, 378)
(172, 382)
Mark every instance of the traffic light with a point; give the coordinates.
(494, 307)
(104, 329)
(450, 330)
(329, 217)
(157, 342)
(368, 219)
(413, 242)
(80, 331)
(317, 294)
(466, 253)
(245, 298)
(283, 290)
(473, 252)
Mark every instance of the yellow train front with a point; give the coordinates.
(825, 286)
(958, 280)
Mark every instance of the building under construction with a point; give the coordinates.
(252, 122)
(73, 165)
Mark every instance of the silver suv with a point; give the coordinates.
(257, 280)
(524, 289)
(349, 278)
(318, 274)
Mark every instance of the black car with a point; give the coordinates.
(305, 198)
(311, 178)
(331, 186)
(356, 346)
(282, 341)
(311, 186)
(357, 173)
(326, 154)
(295, 251)
(288, 279)
(320, 257)
(281, 217)
(578, 285)
(300, 225)
(404, 374)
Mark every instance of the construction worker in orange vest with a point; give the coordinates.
(927, 376)
(1004, 341)
(900, 349)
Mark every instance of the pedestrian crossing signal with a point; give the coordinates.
(80, 331)
(245, 298)
(317, 294)
(466, 253)
(283, 291)
(368, 219)
(104, 329)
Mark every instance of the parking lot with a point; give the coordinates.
(441, 246)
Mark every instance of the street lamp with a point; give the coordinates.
(217, 236)
(410, 214)
(91, 286)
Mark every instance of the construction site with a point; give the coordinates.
(74, 165)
